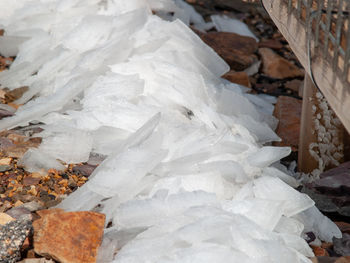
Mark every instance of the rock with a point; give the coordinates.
(4, 168)
(288, 112)
(20, 212)
(343, 226)
(15, 94)
(240, 78)
(238, 51)
(67, 236)
(5, 161)
(319, 251)
(5, 218)
(270, 43)
(36, 260)
(12, 236)
(277, 67)
(5, 113)
(343, 260)
(85, 169)
(31, 181)
(294, 85)
(5, 143)
(342, 245)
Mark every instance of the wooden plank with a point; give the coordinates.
(330, 84)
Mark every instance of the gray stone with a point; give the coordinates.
(12, 236)
(4, 168)
(342, 245)
(20, 213)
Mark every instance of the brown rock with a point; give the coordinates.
(31, 181)
(69, 237)
(294, 85)
(236, 50)
(319, 251)
(277, 67)
(345, 259)
(240, 78)
(288, 112)
(270, 43)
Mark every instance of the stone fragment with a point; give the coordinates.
(278, 67)
(4, 168)
(30, 181)
(270, 43)
(5, 143)
(288, 112)
(294, 85)
(15, 94)
(85, 169)
(5, 218)
(36, 260)
(20, 213)
(238, 51)
(5, 113)
(345, 259)
(12, 236)
(240, 78)
(343, 226)
(342, 245)
(319, 251)
(5, 161)
(68, 236)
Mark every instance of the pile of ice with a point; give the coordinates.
(187, 177)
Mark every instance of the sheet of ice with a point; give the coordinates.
(226, 24)
(35, 160)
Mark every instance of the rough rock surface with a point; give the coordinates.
(69, 237)
(288, 112)
(240, 78)
(236, 50)
(277, 67)
(12, 236)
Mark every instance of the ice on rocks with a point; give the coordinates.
(184, 172)
(226, 24)
(35, 160)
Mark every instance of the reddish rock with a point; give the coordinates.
(238, 51)
(31, 181)
(277, 67)
(288, 112)
(319, 251)
(270, 43)
(68, 237)
(294, 85)
(240, 78)
(85, 169)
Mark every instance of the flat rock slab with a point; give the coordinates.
(68, 237)
(278, 67)
(238, 51)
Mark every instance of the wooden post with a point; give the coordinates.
(306, 163)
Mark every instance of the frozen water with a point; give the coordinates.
(226, 24)
(35, 160)
(185, 173)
